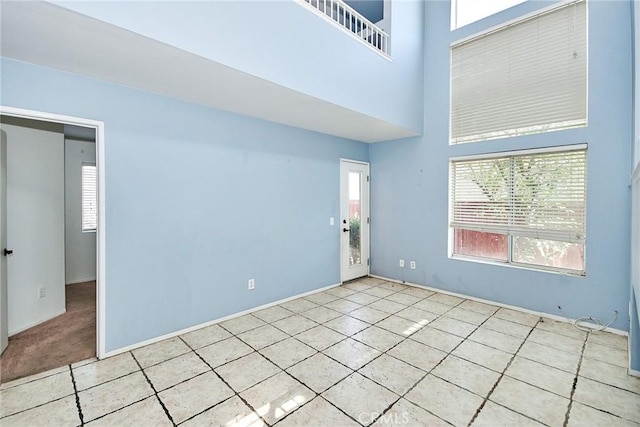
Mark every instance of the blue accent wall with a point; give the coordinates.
(198, 201)
(410, 180)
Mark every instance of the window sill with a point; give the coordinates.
(519, 266)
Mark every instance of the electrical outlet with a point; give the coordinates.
(401, 263)
(412, 265)
(252, 284)
(42, 292)
(331, 221)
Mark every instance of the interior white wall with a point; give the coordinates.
(80, 247)
(35, 224)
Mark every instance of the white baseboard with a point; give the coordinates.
(211, 322)
(634, 373)
(31, 325)
(511, 307)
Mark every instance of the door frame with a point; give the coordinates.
(101, 229)
(342, 215)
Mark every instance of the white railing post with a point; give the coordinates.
(349, 19)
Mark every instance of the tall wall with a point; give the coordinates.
(410, 180)
(197, 202)
(262, 37)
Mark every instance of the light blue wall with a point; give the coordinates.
(285, 43)
(197, 202)
(410, 181)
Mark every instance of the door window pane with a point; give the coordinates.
(355, 207)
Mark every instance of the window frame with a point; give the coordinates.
(82, 208)
(509, 262)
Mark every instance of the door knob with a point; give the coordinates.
(344, 230)
(7, 252)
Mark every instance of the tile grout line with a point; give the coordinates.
(235, 393)
(442, 315)
(316, 395)
(39, 405)
(120, 408)
(575, 381)
(495, 385)
(427, 373)
(75, 390)
(319, 351)
(30, 381)
(155, 392)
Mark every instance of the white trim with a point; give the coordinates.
(212, 322)
(523, 152)
(519, 265)
(101, 235)
(512, 22)
(31, 325)
(633, 373)
(359, 162)
(635, 176)
(498, 304)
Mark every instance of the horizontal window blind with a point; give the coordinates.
(536, 195)
(89, 198)
(528, 77)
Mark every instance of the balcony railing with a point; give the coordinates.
(349, 19)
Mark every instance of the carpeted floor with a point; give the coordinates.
(68, 338)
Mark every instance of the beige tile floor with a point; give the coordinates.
(368, 352)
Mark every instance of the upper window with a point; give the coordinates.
(89, 198)
(465, 12)
(527, 209)
(525, 77)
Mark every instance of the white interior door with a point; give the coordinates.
(354, 219)
(35, 224)
(4, 323)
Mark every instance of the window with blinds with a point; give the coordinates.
(523, 208)
(89, 198)
(525, 77)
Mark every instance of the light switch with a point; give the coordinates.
(331, 221)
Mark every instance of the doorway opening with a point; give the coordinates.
(52, 268)
(354, 219)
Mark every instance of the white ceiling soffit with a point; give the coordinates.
(45, 34)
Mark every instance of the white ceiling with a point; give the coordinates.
(45, 34)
